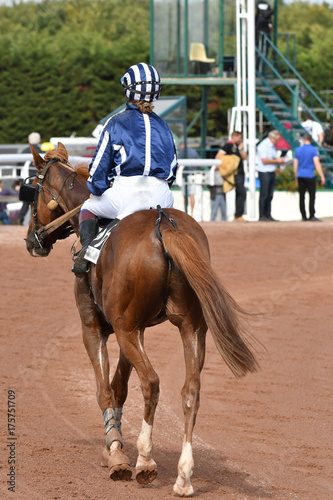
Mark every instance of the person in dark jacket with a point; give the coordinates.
(234, 146)
(263, 29)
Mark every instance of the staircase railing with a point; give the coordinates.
(289, 40)
(277, 111)
(275, 57)
(278, 114)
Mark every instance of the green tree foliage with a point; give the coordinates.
(61, 60)
(312, 25)
(60, 63)
(285, 179)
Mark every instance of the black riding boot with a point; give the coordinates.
(88, 231)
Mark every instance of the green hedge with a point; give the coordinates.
(61, 61)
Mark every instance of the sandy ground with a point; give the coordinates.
(266, 436)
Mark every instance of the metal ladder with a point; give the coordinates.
(277, 112)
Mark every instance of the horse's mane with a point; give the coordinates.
(82, 170)
(61, 153)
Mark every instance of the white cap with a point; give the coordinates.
(34, 138)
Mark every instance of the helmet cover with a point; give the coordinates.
(142, 83)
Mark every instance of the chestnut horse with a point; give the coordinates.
(154, 267)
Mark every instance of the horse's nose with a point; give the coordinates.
(34, 247)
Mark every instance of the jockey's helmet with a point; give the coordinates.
(47, 146)
(142, 83)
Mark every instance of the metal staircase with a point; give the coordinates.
(278, 111)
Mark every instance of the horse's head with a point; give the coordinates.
(47, 203)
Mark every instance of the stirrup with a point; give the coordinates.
(81, 265)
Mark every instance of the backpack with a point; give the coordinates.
(228, 170)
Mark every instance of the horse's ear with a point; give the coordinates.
(61, 148)
(38, 160)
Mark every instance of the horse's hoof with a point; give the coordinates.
(119, 466)
(146, 470)
(146, 476)
(183, 491)
(121, 473)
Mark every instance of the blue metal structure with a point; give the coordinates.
(193, 42)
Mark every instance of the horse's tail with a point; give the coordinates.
(223, 316)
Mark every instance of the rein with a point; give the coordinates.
(52, 226)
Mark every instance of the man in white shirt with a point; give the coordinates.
(267, 163)
(314, 129)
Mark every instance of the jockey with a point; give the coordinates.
(134, 163)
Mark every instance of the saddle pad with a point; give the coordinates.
(95, 247)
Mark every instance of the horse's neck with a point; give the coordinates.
(72, 192)
(71, 188)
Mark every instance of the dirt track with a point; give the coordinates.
(266, 436)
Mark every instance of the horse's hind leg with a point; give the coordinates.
(131, 344)
(119, 386)
(95, 334)
(193, 332)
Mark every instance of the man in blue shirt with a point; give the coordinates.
(267, 163)
(306, 161)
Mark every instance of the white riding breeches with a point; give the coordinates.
(130, 194)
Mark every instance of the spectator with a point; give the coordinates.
(217, 197)
(282, 144)
(35, 140)
(267, 162)
(15, 215)
(4, 217)
(314, 129)
(235, 147)
(191, 188)
(263, 28)
(47, 146)
(306, 161)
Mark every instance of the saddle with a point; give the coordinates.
(106, 226)
(96, 245)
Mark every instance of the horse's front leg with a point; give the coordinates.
(194, 338)
(95, 334)
(131, 345)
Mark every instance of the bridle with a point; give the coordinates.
(37, 236)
